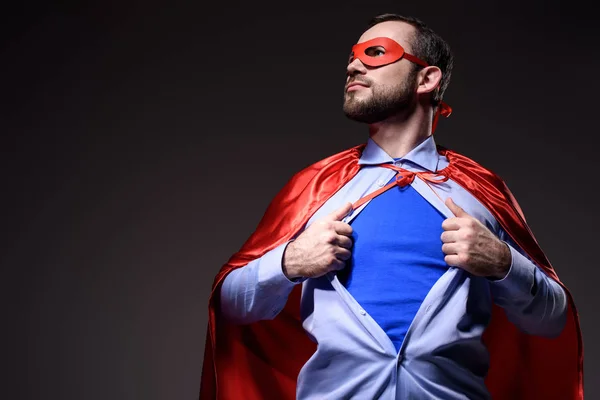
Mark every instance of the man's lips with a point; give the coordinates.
(355, 86)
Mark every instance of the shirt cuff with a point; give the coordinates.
(271, 269)
(520, 279)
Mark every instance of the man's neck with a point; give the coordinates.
(397, 138)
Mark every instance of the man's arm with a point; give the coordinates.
(256, 291)
(259, 290)
(534, 302)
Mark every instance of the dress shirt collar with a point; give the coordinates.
(424, 155)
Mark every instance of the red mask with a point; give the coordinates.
(382, 51)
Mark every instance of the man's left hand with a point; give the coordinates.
(470, 245)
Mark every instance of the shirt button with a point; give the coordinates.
(380, 182)
(362, 312)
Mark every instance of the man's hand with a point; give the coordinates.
(323, 247)
(469, 245)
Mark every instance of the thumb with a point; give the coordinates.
(340, 213)
(456, 210)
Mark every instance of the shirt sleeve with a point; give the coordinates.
(534, 302)
(256, 291)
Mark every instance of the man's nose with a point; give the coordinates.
(356, 67)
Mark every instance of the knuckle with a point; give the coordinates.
(329, 237)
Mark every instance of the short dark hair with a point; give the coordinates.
(426, 45)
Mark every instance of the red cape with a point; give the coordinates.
(262, 360)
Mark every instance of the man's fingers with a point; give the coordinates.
(344, 241)
(451, 224)
(452, 260)
(343, 254)
(449, 236)
(450, 248)
(340, 213)
(342, 228)
(456, 210)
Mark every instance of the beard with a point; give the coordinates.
(382, 103)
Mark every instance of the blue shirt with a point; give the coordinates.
(396, 258)
(442, 355)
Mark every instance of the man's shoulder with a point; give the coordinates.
(333, 162)
(454, 155)
(482, 182)
(467, 164)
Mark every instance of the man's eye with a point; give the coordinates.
(375, 51)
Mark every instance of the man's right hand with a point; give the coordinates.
(323, 247)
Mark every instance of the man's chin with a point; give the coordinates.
(356, 106)
(361, 117)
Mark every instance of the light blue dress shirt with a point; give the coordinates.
(442, 356)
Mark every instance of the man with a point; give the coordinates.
(396, 269)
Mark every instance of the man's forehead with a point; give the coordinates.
(399, 31)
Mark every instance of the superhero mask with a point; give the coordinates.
(382, 51)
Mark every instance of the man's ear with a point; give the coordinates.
(429, 79)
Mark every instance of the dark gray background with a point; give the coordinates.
(141, 143)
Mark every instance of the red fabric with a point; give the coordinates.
(262, 360)
(403, 178)
(393, 52)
